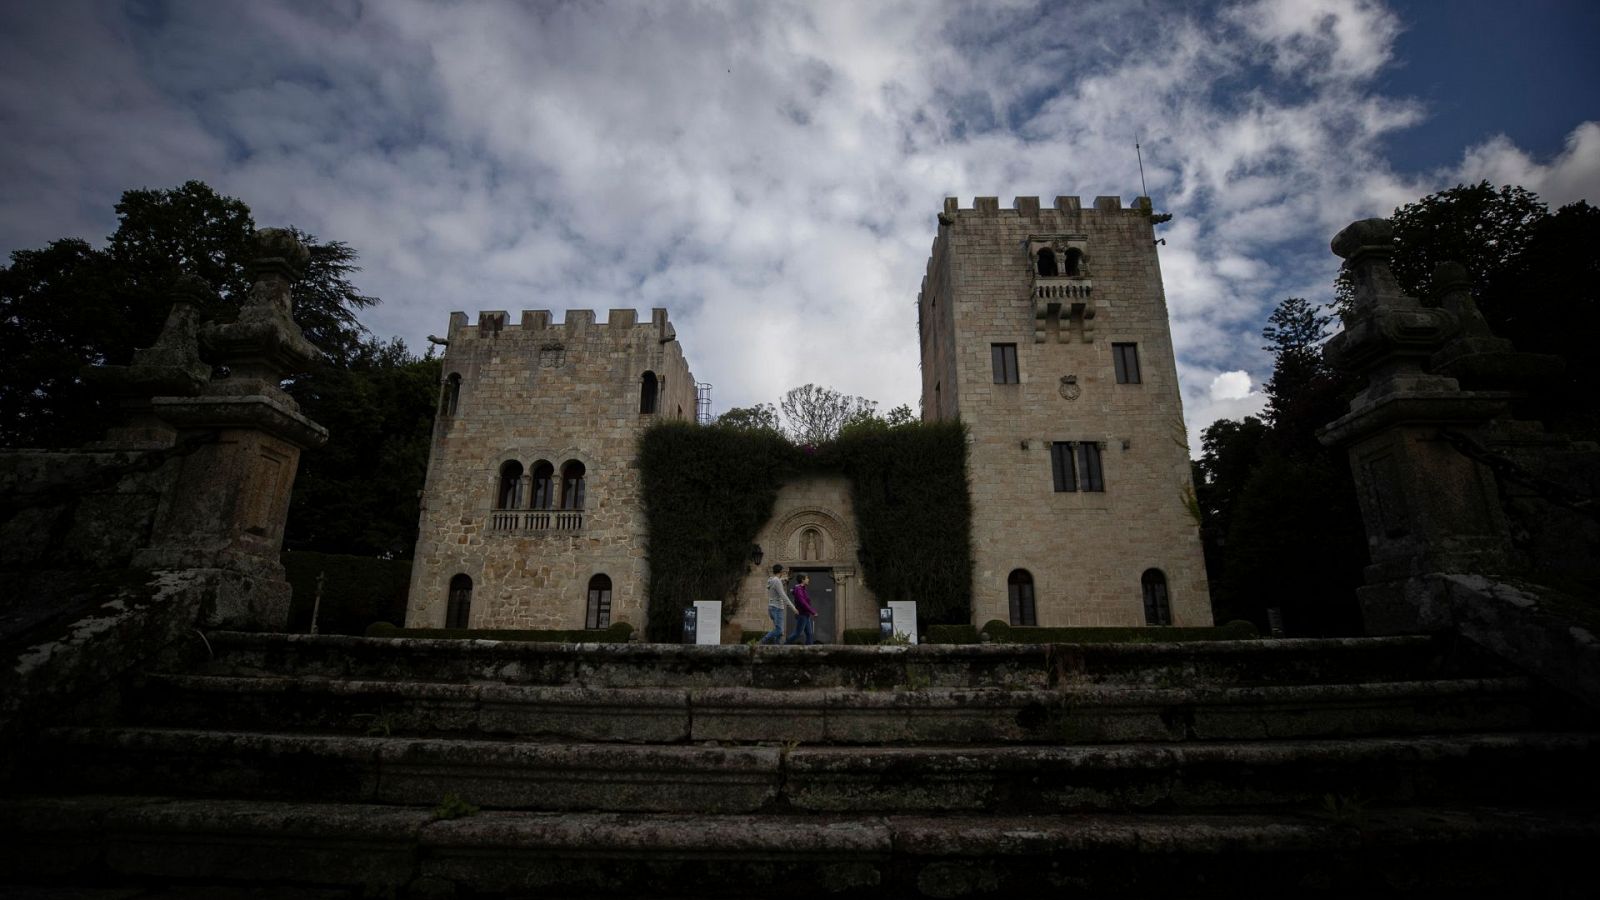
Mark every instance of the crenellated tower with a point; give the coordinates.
(531, 511)
(1045, 330)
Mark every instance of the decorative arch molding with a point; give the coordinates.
(528, 455)
(838, 536)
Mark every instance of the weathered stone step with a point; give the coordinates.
(1070, 713)
(380, 850)
(1522, 768)
(1345, 660)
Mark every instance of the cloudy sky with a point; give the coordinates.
(770, 171)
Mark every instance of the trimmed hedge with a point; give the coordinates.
(861, 635)
(707, 491)
(1002, 632)
(913, 513)
(357, 591)
(617, 633)
(953, 634)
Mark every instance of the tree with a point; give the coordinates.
(761, 417)
(816, 414)
(70, 304)
(900, 415)
(1279, 522)
(358, 493)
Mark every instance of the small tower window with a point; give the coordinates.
(544, 488)
(452, 394)
(599, 609)
(459, 610)
(648, 389)
(1019, 585)
(509, 495)
(1047, 263)
(572, 485)
(1157, 611)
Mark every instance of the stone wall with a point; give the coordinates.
(531, 392)
(1086, 551)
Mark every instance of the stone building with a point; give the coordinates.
(1044, 330)
(530, 514)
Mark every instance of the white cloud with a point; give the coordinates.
(769, 172)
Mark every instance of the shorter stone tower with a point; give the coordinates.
(531, 511)
(1045, 331)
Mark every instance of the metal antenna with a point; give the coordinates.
(1143, 191)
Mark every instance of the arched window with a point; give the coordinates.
(599, 615)
(1074, 262)
(459, 610)
(509, 496)
(1156, 609)
(572, 485)
(452, 395)
(1019, 584)
(544, 485)
(1047, 263)
(647, 394)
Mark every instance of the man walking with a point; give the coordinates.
(777, 601)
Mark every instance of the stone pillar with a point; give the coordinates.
(1428, 507)
(226, 515)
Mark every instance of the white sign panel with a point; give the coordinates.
(709, 624)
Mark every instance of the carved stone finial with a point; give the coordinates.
(264, 344)
(278, 248)
(1367, 234)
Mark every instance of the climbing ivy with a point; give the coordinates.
(708, 490)
(913, 513)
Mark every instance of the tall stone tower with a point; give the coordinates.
(1045, 331)
(531, 511)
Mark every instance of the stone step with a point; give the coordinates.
(1087, 713)
(1522, 767)
(364, 850)
(1013, 666)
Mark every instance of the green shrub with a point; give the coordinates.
(952, 634)
(356, 591)
(617, 633)
(861, 635)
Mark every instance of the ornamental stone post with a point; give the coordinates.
(1427, 506)
(225, 516)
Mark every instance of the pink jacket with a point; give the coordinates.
(802, 599)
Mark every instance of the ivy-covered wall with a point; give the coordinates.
(708, 491)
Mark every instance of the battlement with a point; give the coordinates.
(1029, 207)
(494, 323)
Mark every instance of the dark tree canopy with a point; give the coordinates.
(358, 493)
(1282, 527)
(70, 305)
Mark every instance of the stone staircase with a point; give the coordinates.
(332, 767)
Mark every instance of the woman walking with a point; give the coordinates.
(805, 619)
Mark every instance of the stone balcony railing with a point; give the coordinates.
(1066, 299)
(512, 520)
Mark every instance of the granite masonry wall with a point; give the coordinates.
(530, 392)
(1085, 550)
